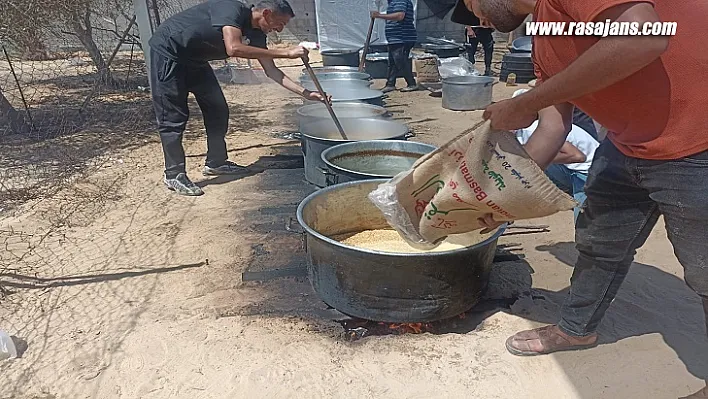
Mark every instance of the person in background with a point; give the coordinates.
(584, 120)
(401, 37)
(480, 35)
(180, 51)
(569, 169)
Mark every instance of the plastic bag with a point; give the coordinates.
(7, 346)
(456, 66)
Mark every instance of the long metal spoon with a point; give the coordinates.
(313, 76)
(366, 44)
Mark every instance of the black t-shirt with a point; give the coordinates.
(194, 35)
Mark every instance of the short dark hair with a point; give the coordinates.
(501, 14)
(280, 7)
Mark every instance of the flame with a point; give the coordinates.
(410, 328)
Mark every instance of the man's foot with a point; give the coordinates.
(488, 72)
(182, 185)
(388, 89)
(544, 340)
(229, 168)
(409, 89)
(702, 394)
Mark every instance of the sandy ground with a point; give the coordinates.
(134, 292)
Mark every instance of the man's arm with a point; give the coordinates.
(273, 72)
(394, 16)
(548, 139)
(236, 48)
(544, 145)
(610, 60)
(607, 62)
(569, 154)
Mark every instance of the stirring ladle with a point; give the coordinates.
(313, 76)
(362, 62)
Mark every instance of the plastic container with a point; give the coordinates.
(7, 346)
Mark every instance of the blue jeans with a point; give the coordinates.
(625, 197)
(570, 181)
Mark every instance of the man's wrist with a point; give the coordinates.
(280, 53)
(531, 101)
(305, 93)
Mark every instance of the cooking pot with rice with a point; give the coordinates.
(360, 267)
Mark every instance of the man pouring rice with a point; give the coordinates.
(650, 93)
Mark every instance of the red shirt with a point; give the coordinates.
(661, 111)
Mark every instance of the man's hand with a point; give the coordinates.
(489, 223)
(375, 14)
(510, 114)
(470, 32)
(316, 96)
(298, 52)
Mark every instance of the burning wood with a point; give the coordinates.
(410, 328)
(356, 329)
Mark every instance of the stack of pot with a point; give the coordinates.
(344, 84)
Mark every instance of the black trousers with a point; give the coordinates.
(171, 84)
(398, 63)
(483, 36)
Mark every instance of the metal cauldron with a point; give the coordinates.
(443, 50)
(351, 94)
(374, 159)
(344, 110)
(338, 85)
(384, 286)
(317, 136)
(325, 76)
(328, 69)
(340, 57)
(467, 93)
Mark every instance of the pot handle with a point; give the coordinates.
(330, 178)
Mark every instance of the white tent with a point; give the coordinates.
(345, 23)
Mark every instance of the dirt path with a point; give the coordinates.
(138, 292)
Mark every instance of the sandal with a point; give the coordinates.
(549, 338)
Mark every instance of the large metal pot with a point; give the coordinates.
(344, 110)
(324, 76)
(338, 84)
(384, 286)
(376, 65)
(375, 159)
(442, 50)
(328, 69)
(340, 57)
(351, 94)
(318, 136)
(467, 93)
